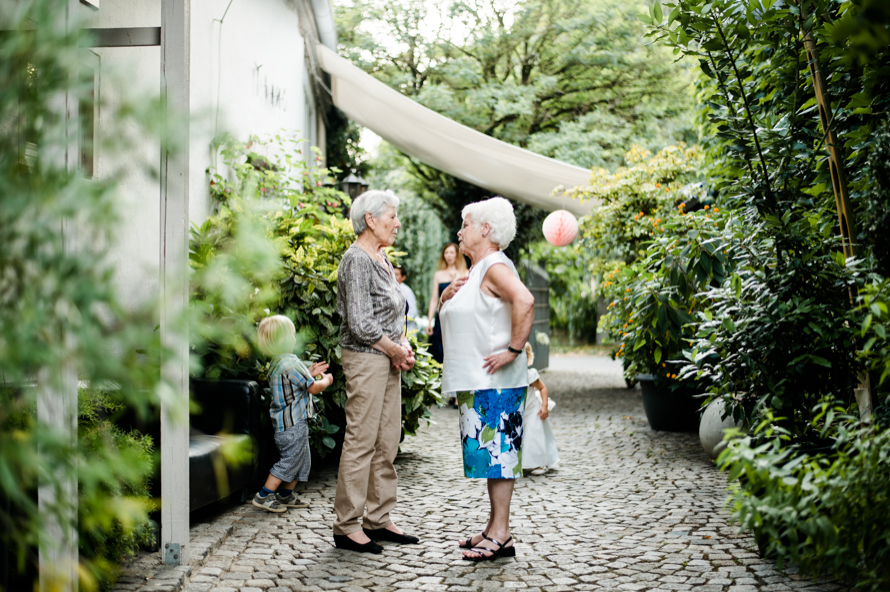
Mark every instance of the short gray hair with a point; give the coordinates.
(497, 212)
(374, 202)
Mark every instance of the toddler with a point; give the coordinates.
(538, 444)
(292, 386)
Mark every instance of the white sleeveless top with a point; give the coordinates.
(474, 326)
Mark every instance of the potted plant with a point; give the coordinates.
(652, 306)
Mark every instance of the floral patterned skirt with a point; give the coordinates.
(491, 432)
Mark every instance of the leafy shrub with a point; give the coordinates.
(782, 334)
(650, 257)
(876, 204)
(653, 301)
(113, 497)
(573, 306)
(827, 511)
(123, 465)
(780, 345)
(875, 352)
(649, 188)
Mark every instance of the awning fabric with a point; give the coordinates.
(446, 145)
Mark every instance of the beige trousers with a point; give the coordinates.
(366, 483)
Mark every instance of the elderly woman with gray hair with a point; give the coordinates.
(374, 351)
(486, 320)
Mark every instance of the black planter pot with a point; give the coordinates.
(667, 410)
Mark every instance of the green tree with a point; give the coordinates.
(572, 80)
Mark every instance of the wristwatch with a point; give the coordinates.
(510, 348)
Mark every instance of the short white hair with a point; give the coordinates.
(374, 202)
(497, 212)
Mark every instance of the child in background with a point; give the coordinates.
(538, 444)
(292, 386)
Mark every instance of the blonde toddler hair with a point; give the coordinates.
(273, 333)
(530, 353)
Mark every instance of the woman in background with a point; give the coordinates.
(452, 265)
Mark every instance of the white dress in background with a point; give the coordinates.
(538, 443)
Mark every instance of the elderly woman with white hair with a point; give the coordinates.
(486, 319)
(374, 351)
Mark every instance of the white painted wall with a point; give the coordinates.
(248, 77)
(254, 78)
(137, 254)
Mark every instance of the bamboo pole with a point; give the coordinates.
(845, 214)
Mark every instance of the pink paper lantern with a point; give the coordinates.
(560, 228)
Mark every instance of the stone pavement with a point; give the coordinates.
(627, 508)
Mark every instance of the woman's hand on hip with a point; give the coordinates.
(495, 361)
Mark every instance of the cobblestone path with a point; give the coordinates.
(627, 508)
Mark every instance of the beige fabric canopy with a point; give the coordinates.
(446, 145)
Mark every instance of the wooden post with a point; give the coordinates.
(174, 229)
(838, 181)
(57, 394)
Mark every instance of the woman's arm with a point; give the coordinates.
(434, 302)
(356, 273)
(501, 282)
(354, 282)
(544, 413)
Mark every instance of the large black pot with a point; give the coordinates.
(667, 410)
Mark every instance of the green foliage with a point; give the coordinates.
(875, 327)
(827, 511)
(782, 327)
(299, 235)
(783, 334)
(649, 257)
(572, 80)
(876, 205)
(118, 474)
(653, 300)
(779, 343)
(764, 136)
(572, 302)
(635, 200)
(343, 151)
(61, 318)
(309, 297)
(234, 268)
(421, 388)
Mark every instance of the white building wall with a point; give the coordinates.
(248, 77)
(137, 254)
(254, 78)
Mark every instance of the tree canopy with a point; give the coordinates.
(570, 80)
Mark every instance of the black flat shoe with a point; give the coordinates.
(341, 541)
(382, 534)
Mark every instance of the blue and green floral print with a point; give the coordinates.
(491, 432)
